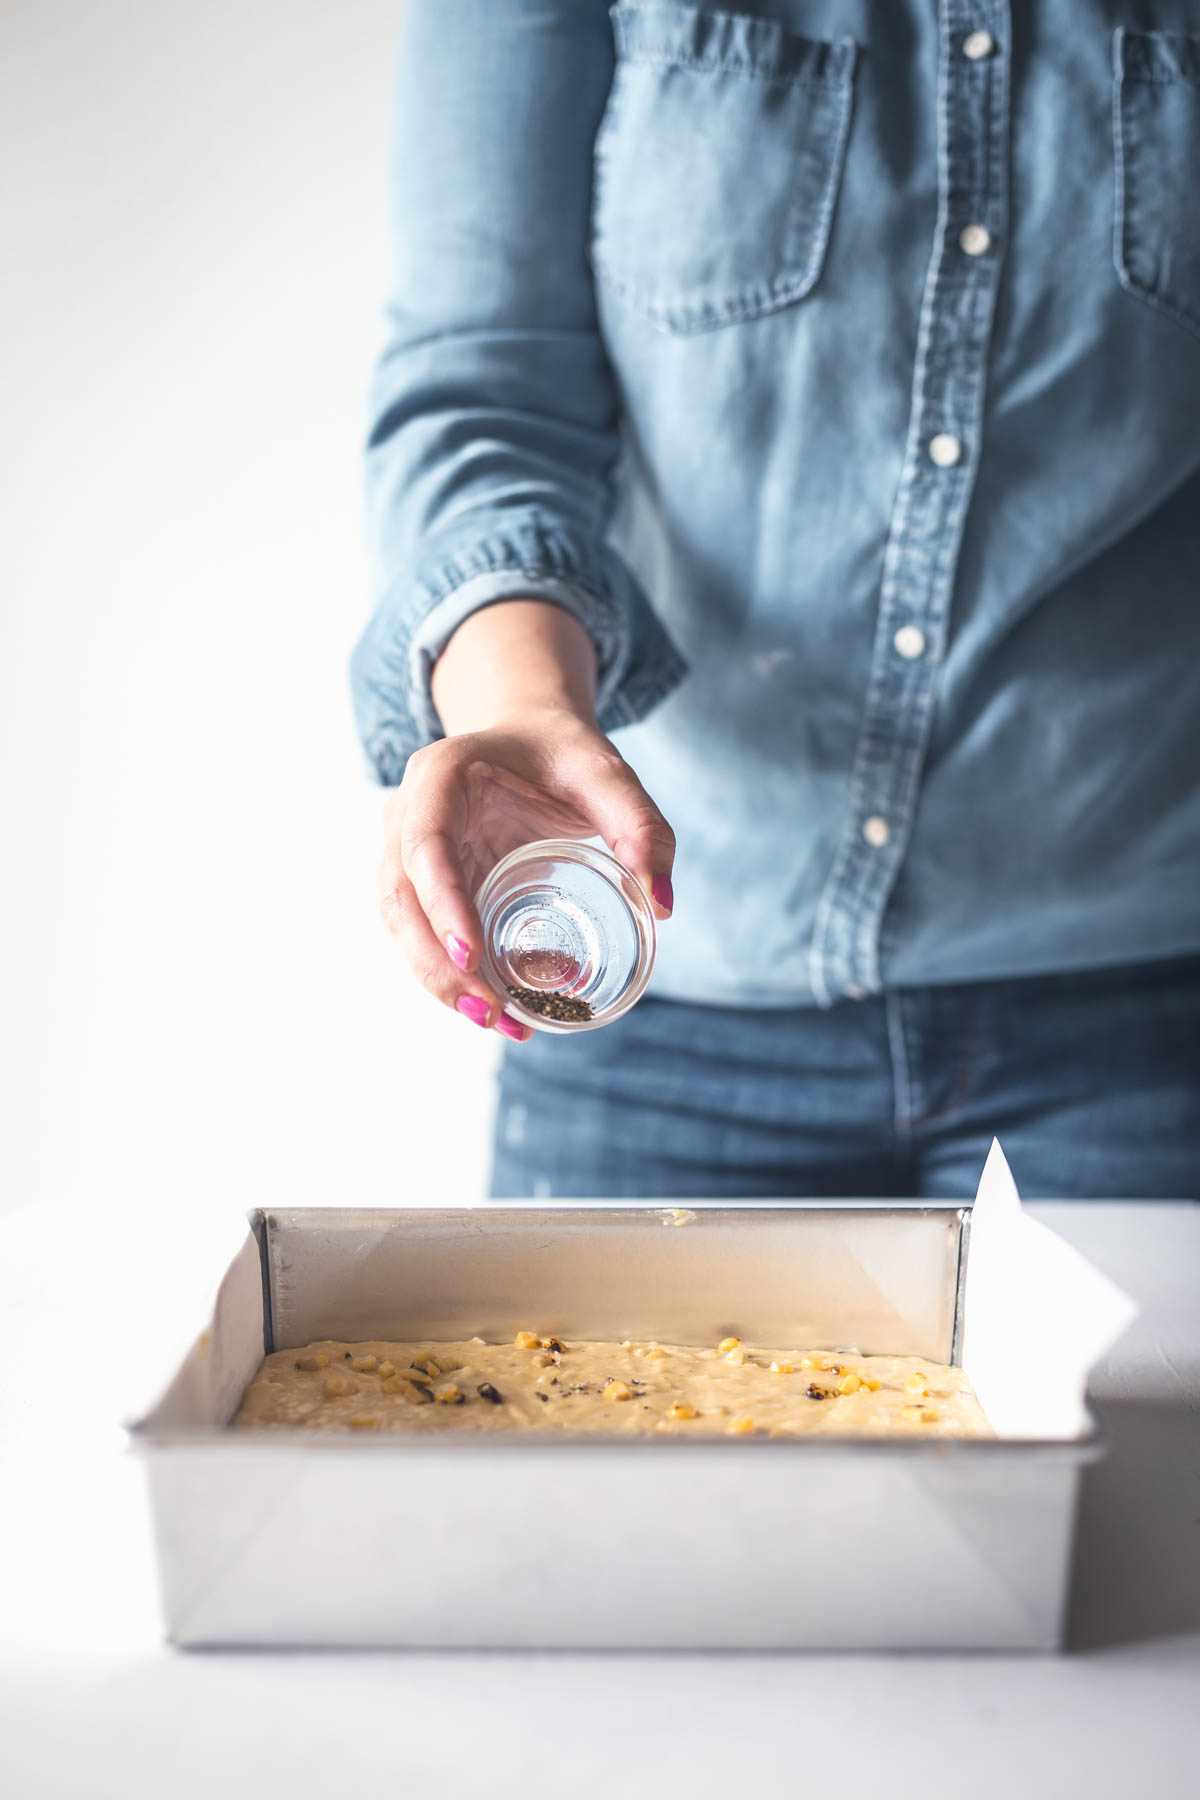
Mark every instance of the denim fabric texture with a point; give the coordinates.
(837, 364)
(1090, 1082)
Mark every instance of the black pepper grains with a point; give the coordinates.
(561, 1008)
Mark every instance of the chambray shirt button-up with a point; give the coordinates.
(836, 363)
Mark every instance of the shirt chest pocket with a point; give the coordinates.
(717, 164)
(1156, 127)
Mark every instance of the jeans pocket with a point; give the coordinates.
(717, 164)
(1156, 141)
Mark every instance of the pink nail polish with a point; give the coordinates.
(473, 1008)
(662, 893)
(510, 1028)
(458, 952)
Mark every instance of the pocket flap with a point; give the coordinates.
(696, 39)
(1156, 133)
(1157, 56)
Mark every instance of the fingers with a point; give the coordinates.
(429, 960)
(432, 866)
(632, 827)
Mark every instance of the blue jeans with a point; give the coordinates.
(1091, 1083)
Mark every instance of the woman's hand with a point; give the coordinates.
(525, 759)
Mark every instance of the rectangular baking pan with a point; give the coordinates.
(322, 1539)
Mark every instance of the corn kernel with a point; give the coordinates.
(919, 1415)
(552, 1343)
(363, 1422)
(740, 1427)
(815, 1361)
(680, 1409)
(916, 1384)
(543, 1360)
(655, 1353)
(364, 1365)
(729, 1343)
(527, 1340)
(782, 1368)
(309, 1363)
(618, 1390)
(386, 1369)
(338, 1385)
(450, 1395)
(870, 1381)
(428, 1362)
(736, 1357)
(849, 1384)
(390, 1385)
(447, 1364)
(421, 1376)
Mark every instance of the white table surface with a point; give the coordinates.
(91, 1704)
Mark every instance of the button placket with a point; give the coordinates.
(934, 493)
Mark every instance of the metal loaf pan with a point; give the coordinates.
(287, 1538)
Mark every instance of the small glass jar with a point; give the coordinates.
(568, 935)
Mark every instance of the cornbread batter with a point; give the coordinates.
(626, 1390)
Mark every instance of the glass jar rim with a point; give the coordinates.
(602, 862)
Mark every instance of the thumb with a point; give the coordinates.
(633, 828)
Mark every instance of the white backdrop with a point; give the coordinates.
(200, 1010)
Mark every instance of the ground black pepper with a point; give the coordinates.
(559, 1007)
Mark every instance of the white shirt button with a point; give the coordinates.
(977, 45)
(975, 239)
(877, 831)
(909, 642)
(944, 450)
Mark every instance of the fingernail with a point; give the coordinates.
(458, 952)
(473, 1008)
(510, 1028)
(662, 893)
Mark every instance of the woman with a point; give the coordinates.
(807, 396)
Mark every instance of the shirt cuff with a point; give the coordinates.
(637, 665)
(439, 626)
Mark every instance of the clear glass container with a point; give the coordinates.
(571, 930)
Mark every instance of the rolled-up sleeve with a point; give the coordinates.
(494, 411)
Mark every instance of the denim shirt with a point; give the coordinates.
(837, 364)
